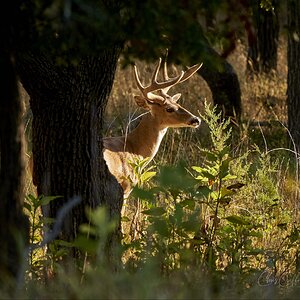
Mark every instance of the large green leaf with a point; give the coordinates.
(154, 211)
(45, 200)
(234, 219)
(147, 176)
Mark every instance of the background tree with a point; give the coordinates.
(262, 47)
(293, 91)
(223, 83)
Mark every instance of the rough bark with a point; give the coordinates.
(223, 83)
(68, 104)
(14, 225)
(262, 50)
(293, 91)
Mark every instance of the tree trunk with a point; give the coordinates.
(68, 105)
(293, 91)
(262, 51)
(223, 83)
(14, 227)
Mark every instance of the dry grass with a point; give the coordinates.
(263, 101)
(263, 96)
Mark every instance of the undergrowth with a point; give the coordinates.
(225, 227)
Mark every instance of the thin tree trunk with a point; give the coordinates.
(68, 106)
(293, 91)
(262, 51)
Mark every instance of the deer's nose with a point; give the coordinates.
(195, 122)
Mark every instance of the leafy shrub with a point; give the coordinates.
(219, 229)
(223, 217)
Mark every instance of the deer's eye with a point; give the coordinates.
(170, 109)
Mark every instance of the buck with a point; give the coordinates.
(144, 141)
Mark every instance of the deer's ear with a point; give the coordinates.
(176, 97)
(141, 102)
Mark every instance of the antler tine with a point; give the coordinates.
(154, 76)
(190, 72)
(137, 79)
(186, 75)
(154, 85)
(165, 72)
(169, 82)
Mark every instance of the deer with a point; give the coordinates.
(143, 142)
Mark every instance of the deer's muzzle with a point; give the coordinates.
(194, 122)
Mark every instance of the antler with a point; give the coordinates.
(187, 74)
(154, 85)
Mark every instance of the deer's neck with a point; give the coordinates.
(145, 139)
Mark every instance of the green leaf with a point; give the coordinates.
(197, 169)
(161, 227)
(142, 163)
(142, 194)
(215, 195)
(86, 244)
(203, 191)
(234, 219)
(88, 229)
(189, 203)
(47, 199)
(224, 169)
(190, 226)
(175, 177)
(27, 206)
(210, 156)
(229, 177)
(60, 252)
(209, 174)
(255, 234)
(147, 176)
(31, 198)
(178, 214)
(154, 211)
(202, 178)
(224, 152)
(34, 201)
(294, 235)
(226, 192)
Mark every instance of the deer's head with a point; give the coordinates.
(162, 106)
